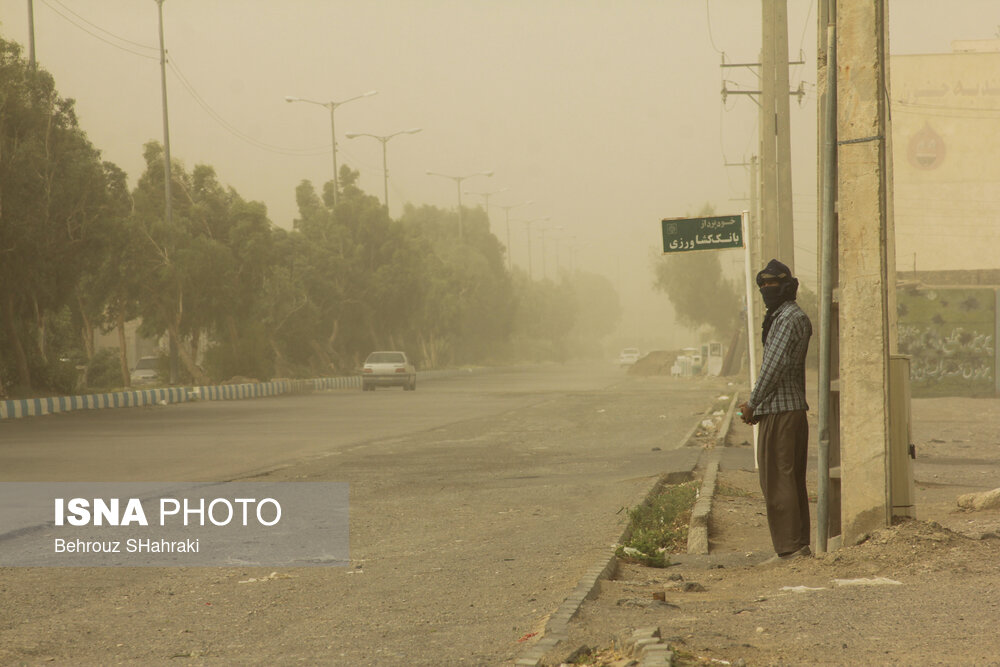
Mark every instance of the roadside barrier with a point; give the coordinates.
(31, 407)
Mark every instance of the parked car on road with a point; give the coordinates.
(629, 356)
(145, 371)
(388, 369)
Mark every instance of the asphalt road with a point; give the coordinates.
(476, 505)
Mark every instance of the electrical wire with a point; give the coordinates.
(231, 129)
(805, 25)
(107, 32)
(98, 37)
(185, 83)
(708, 20)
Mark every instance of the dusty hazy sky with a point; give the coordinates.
(606, 113)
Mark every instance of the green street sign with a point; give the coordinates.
(715, 233)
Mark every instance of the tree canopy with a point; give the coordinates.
(81, 252)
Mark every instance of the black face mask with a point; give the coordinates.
(774, 296)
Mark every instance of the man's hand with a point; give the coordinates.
(746, 414)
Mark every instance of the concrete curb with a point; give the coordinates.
(698, 528)
(34, 407)
(556, 630)
(700, 514)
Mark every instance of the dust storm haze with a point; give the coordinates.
(607, 116)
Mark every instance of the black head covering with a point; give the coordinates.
(774, 296)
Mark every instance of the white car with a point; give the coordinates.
(145, 371)
(388, 369)
(629, 356)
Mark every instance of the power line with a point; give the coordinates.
(107, 32)
(805, 25)
(708, 20)
(98, 37)
(232, 130)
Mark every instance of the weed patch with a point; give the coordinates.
(659, 527)
(730, 490)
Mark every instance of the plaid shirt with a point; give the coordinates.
(781, 386)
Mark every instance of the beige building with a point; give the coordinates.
(946, 158)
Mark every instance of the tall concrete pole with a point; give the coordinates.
(167, 178)
(867, 313)
(31, 34)
(783, 148)
(775, 142)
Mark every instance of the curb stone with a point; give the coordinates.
(18, 408)
(557, 627)
(647, 645)
(702, 510)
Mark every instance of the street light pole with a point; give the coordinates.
(168, 206)
(527, 232)
(545, 274)
(458, 185)
(332, 106)
(385, 164)
(486, 199)
(506, 210)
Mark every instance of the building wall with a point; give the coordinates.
(950, 335)
(946, 139)
(137, 345)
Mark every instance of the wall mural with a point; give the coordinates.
(950, 334)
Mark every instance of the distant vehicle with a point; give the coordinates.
(145, 371)
(388, 369)
(629, 356)
(711, 354)
(694, 354)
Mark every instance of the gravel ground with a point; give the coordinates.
(924, 591)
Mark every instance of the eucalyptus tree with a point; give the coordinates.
(467, 299)
(699, 290)
(105, 296)
(53, 202)
(207, 268)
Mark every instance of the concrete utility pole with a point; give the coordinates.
(770, 226)
(866, 259)
(31, 34)
(168, 217)
(775, 141)
(753, 240)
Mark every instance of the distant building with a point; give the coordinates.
(946, 172)
(946, 177)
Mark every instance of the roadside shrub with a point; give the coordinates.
(104, 370)
(55, 377)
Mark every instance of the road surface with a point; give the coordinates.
(476, 505)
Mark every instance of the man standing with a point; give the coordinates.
(778, 404)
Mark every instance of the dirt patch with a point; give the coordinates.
(923, 591)
(657, 362)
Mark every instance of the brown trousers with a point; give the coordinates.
(783, 440)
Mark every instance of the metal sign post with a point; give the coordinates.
(716, 233)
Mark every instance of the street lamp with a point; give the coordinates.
(332, 106)
(385, 165)
(486, 200)
(574, 247)
(527, 232)
(458, 185)
(545, 274)
(506, 210)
